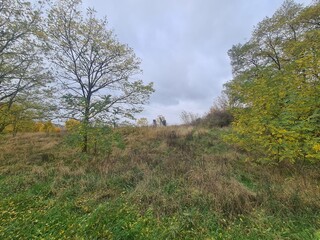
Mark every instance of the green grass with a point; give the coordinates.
(168, 183)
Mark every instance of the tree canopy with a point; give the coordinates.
(97, 72)
(57, 45)
(23, 73)
(275, 92)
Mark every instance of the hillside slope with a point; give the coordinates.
(168, 183)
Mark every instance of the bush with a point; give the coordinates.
(189, 118)
(218, 118)
(101, 139)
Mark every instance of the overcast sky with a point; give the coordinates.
(183, 45)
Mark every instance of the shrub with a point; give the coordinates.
(101, 139)
(218, 118)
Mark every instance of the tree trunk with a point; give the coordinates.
(85, 141)
(85, 131)
(5, 109)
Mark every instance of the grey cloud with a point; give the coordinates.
(183, 45)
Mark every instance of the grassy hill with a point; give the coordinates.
(167, 183)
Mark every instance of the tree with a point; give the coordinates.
(72, 125)
(94, 67)
(219, 114)
(189, 118)
(17, 119)
(275, 90)
(142, 122)
(21, 55)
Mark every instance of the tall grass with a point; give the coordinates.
(168, 183)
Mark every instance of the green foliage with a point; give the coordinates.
(98, 72)
(24, 76)
(276, 87)
(100, 139)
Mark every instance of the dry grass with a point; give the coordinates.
(296, 190)
(214, 178)
(166, 169)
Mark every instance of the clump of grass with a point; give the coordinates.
(214, 178)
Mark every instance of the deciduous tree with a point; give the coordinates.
(276, 86)
(96, 70)
(22, 70)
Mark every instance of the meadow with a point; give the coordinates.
(165, 183)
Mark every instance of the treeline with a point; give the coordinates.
(57, 61)
(275, 91)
